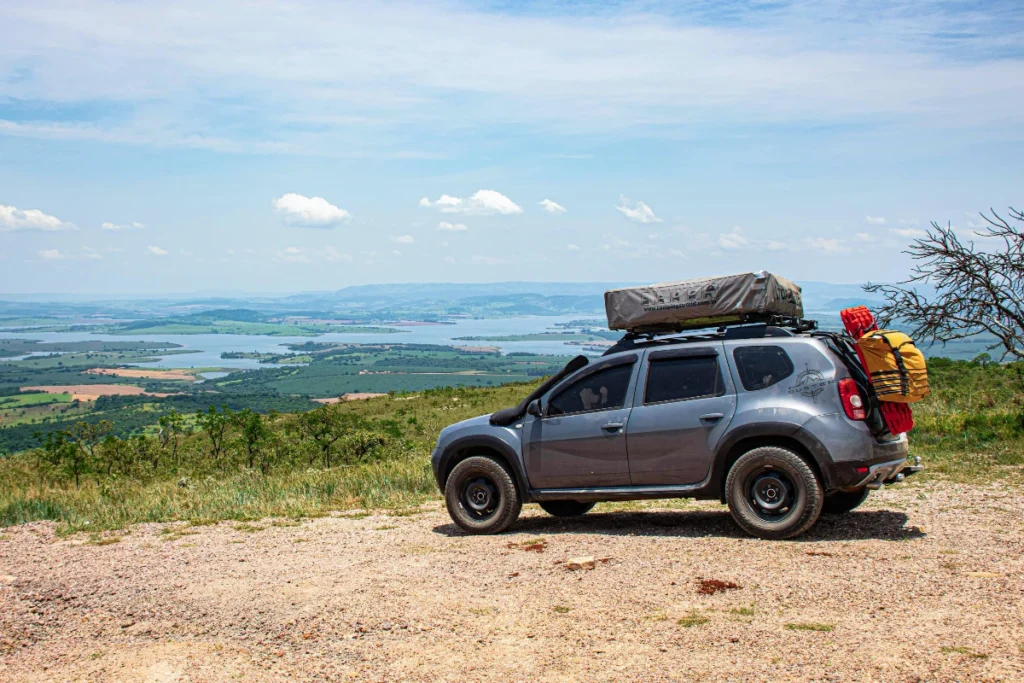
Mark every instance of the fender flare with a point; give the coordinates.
(456, 448)
(783, 431)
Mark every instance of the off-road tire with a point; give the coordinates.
(566, 508)
(481, 476)
(778, 475)
(844, 501)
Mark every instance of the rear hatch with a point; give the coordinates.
(843, 349)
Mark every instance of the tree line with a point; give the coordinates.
(214, 441)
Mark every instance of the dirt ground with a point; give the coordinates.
(180, 375)
(91, 392)
(357, 396)
(925, 583)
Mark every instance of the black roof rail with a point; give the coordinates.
(750, 327)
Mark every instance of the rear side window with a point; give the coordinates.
(602, 390)
(760, 367)
(679, 379)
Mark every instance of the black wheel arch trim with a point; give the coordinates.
(482, 442)
(769, 430)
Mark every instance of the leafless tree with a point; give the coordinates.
(976, 288)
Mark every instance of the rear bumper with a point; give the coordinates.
(889, 473)
(885, 463)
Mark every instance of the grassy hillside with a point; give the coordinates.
(972, 427)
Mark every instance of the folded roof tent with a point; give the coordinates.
(702, 302)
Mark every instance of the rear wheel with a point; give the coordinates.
(566, 508)
(844, 501)
(773, 493)
(481, 496)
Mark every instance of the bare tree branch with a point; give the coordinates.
(975, 289)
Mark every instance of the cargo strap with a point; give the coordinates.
(904, 375)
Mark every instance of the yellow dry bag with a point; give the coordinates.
(897, 368)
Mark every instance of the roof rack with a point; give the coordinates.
(797, 325)
(753, 326)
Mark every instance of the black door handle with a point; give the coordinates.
(712, 417)
(612, 426)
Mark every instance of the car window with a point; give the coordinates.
(602, 390)
(760, 367)
(677, 379)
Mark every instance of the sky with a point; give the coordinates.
(290, 146)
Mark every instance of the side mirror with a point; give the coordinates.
(534, 408)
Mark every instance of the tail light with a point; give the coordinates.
(853, 402)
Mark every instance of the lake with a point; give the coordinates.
(209, 347)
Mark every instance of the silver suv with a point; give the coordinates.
(777, 423)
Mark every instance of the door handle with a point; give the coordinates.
(712, 417)
(612, 426)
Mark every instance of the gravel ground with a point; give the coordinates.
(924, 584)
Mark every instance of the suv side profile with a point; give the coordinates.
(769, 421)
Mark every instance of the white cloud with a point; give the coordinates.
(156, 251)
(829, 246)
(482, 260)
(13, 218)
(483, 202)
(118, 227)
(641, 213)
(293, 255)
(403, 239)
(51, 254)
(909, 233)
(552, 207)
(733, 239)
(549, 71)
(572, 247)
(332, 254)
(303, 255)
(310, 212)
(445, 226)
(875, 220)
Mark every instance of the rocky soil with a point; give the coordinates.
(925, 583)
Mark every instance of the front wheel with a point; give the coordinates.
(844, 501)
(566, 508)
(773, 493)
(481, 496)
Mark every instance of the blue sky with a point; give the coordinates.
(278, 147)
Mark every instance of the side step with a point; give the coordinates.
(606, 493)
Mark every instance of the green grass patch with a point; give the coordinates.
(966, 651)
(809, 626)
(692, 619)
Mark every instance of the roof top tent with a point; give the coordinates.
(671, 307)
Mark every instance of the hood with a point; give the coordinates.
(471, 422)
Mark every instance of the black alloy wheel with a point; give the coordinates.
(481, 495)
(773, 493)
